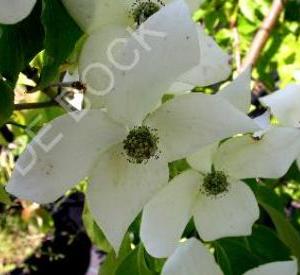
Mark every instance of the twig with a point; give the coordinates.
(236, 40)
(263, 33)
(38, 105)
(16, 124)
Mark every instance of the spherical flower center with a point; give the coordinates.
(143, 9)
(141, 144)
(215, 183)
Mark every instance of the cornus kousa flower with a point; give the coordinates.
(193, 258)
(13, 11)
(285, 106)
(110, 24)
(260, 155)
(213, 193)
(125, 150)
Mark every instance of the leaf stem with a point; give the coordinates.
(38, 105)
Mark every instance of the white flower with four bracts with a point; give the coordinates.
(193, 258)
(125, 151)
(268, 153)
(213, 193)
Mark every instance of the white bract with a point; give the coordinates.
(91, 15)
(285, 106)
(261, 155)
(212, 193)
(110, 26)
(13, 11)
(193, 258)
(125, 151)
(220, 205)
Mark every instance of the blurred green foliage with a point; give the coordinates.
(43, 55)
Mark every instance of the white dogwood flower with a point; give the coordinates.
(213, 193)
(268, 145)
(220, 204)
(285, 106)
(125, 151)
(193, 258)
(13, 11)
(109, 26)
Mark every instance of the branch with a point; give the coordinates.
(236, 40)
(39, 105)
(263, 33)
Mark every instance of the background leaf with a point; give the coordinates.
(94, 232)
(19, 43)
(237, 255)
(4, 197)
(287, 233)
(6, 102)
(61, 35)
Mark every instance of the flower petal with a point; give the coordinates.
(229, 214)
(13, 11)
(191, 258)
(244, 157)
(203, 159)
(158, 47)
(93, 14)
(119, 190)
(275, 268)
(285, 105)
(62, 154)
(194, 4)
(95, 68)
(238, 92)
(192, 121)
(167, 214)
(213, 63)
(263, 121)
(179, 88)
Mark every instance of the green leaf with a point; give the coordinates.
(94, 232)
(177, 167)
(19, 43)
(4, 197)
(6, 102)
(61, 35)
(237, 255)
(286, 231)
(265, 244)
(265, 194)
(113, 261)
(130, 265)
(142, 262)
(135, 264)
(248, 9)
(233, 256)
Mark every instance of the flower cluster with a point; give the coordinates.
(123, 141)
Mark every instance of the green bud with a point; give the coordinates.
(215, 183)
(141, 144)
